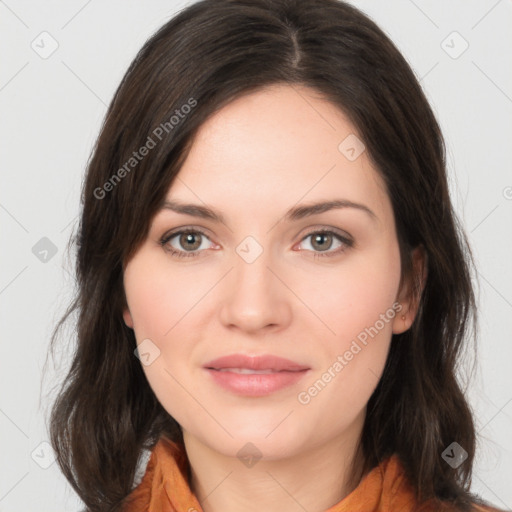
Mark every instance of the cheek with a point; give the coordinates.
(360, 308)
(352, 298)
(157, 299)
(158, 304)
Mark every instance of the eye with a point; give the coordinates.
(191, 240)
(323, 240)
(190, 243)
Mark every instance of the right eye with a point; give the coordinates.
(189, 239)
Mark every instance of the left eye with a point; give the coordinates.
(322, 241)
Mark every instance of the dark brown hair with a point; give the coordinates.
(206, 56)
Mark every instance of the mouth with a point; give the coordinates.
(255, 375)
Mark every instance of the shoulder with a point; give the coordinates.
(140, 496)
(167, 463)
(399, 493)
(436, 505)
(487, 508)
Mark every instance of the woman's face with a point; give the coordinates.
(261, 282)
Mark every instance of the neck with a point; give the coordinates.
(312, 480)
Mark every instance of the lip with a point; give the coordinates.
(257, 362)
(279, 373)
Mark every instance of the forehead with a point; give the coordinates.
(274, 146)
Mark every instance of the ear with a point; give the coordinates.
(410, 292)
(127, 317)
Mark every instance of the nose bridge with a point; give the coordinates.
(251, 273)
(254, 297)
(252, 248)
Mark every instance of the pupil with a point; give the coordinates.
(318, 239)
(188, 238)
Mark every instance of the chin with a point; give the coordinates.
(269, 443)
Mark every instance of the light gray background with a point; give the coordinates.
(51, 110)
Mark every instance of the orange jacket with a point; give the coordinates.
(164, 488)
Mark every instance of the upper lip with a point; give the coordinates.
(257, 362)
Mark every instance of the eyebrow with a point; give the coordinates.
(293, 214)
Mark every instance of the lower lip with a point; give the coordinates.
(255, 384)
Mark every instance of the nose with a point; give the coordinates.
(254, 297)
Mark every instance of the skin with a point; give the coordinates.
(251, 161)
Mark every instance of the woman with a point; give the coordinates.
(300, 353)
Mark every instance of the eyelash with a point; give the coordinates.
(316, 254)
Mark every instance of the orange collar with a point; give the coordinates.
(165, 488)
